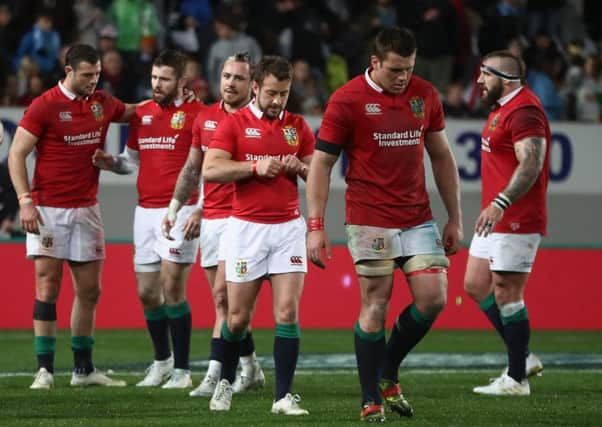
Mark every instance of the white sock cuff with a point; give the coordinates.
(510, 309)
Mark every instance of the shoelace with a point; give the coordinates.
(221, 390)
(295, 398)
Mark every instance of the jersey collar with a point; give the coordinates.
(506, 99)
(258, 113)
(66, 91)
(371, 82)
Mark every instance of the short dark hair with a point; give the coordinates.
(174, 59)
(397, 40)
(276, 66)
(520, 69)
(81, 53)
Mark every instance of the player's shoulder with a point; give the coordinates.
(351, 91)
(102, 96)
(50, 96)
(293, 119)
(422, 87)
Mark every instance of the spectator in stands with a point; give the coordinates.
(42, 44)
(9, 35)
(89, 21)
(230, 40)
(589, 93)
(435, 24)
(501, 23)
(10, 92)
(115, 79)
(134, 20)
(28, 67)
(306, 92)
(453, 102)
(108, 39)
(35, 87)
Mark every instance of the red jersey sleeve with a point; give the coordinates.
(526, 122)
(133, 133)
(224, 137)
(196, 132)
(307, 141)
(335, 125)
(118, 108)
(437, 119)
(34, 118)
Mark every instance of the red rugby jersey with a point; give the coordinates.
(217, 198)
(69, 130)
(248, 135)
(521, 117)
(162, 136)
(383, 137)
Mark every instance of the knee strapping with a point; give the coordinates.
(44, 311)
(375, 267)
(426, 263)
(147, 268)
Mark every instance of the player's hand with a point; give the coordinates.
(317, 245)
(452, 236)
(192, 228)
(166, 226)
(292, 165)
(189, 95)
(102, 160)
(30, 218)
(487, 220)
(269, 167)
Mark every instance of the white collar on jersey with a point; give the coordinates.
(178, 102)
(371, 82)
(66, 91)
(258, 113)
(505, 99)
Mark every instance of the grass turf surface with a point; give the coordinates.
(561, 397)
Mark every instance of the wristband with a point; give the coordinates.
(315, 224)
(502, 201)
(24, 198)
(172, 210)
(254, 167)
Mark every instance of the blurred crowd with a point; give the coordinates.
(327, 40)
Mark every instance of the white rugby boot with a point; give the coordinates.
(250, 379)
(95, 378)
(157, 372)
(222, 397)
(180, 378)
(289, 405)
(206, 388)
(505, 386)
(42, 380)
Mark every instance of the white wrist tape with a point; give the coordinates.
(172, 210)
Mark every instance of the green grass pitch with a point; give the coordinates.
(568, 394)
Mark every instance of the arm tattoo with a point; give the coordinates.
(530, 154)
(188, 181)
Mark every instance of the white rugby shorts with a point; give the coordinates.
(507, 251)
(212, 242)
(366, 242)
(74, 234)
(256, 250)
(149, 244)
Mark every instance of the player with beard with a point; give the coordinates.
(159, 140)
(263, 149)
(60, 212)
(515, 150)
(235, 90)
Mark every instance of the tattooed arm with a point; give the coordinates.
(530, 153)
(189, 177)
